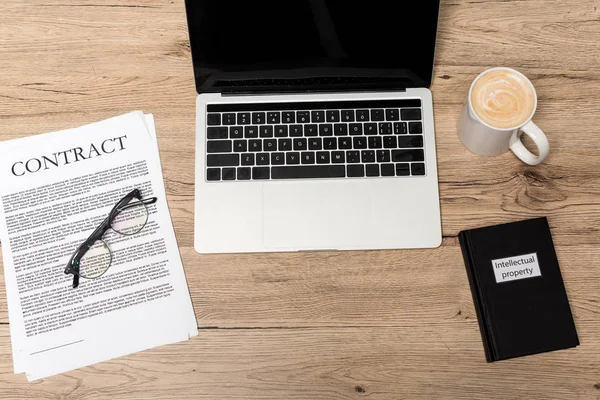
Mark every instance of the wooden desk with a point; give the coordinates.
(376, 325)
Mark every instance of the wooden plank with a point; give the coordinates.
(417, 361)
(354, 288)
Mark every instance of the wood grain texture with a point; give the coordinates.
(352, 325)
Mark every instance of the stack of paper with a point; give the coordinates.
(55, 190)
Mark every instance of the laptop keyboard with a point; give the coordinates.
(304, 140)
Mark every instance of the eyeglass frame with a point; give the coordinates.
(75, 260)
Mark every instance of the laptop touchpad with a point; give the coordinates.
(319, 215)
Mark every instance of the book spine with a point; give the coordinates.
(482, 319)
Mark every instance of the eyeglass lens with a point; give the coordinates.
(95, 261)
(131, 218)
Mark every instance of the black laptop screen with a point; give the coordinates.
(304, 45)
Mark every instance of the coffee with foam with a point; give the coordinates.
(503, 99)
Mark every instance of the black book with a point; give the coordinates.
(518, 291)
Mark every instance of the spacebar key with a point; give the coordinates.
(312, 171)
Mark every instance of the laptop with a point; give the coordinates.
(314, 127)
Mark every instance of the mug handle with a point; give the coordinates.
(540, 139)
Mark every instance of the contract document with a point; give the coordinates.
(55, 190)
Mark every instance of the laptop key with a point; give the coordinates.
(317, 116)
(285, 144)
(356, 129)
(367, 156)
(377, 115)
(266, 131)
(332, 115)
(310, 130)
(292, 158)
(348, 115)
(389, 142)
(402, 169)
(415, 127)
(362, 115)
(383, 156)
(353, 157)
(213, 119)
(371, 129)
(417, 168)
(303, 117)
(277, 158)
(372, 170)
(214, 132)
(218, 146)
(411, 114)
(400, 128)
(229, 119)
(270, 144)
(262, 159)
(247, 159)
(255, 145)
(408, 155)
(251, 131)
(228, 174)
(330, 143)
(240, 146)
(258, 118)
(392, 114)
(300, 144)
(323, 157)
(261, 172)
(338, 157)
(325, 130)
(356, 171)
(213, 174)
(340, 129)
(308, 157)
(281, 131)
(388, 170)
(410, 141)
(385, 128)
(315, 144)
(243, 118)
(274, 117)
(309, 171)
(223, 160)
(243, 173)
(375, 142)
(236, 132)
(360, 142)
(288, 117)
(345, 143)
(296, 130)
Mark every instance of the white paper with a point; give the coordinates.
(516, 267)
(76, 193)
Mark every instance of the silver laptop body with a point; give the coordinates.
(250, 198)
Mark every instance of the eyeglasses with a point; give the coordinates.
(93, 257)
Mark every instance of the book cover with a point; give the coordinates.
(518, 290)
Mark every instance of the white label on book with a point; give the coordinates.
(517, 267)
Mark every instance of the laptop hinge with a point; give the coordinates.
(292, 92)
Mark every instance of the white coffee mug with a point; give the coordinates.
(486, 140)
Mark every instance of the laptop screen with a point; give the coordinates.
(305, 45)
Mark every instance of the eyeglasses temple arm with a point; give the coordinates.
(122, 204)
(148, 201)
(84, 247)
